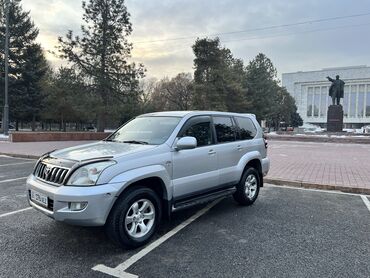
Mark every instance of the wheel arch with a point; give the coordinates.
(154, 182)
(256, 164)
(151, 177)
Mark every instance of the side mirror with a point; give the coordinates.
(186, 143)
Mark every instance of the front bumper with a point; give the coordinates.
(99, 198)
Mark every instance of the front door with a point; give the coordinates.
(195, 171)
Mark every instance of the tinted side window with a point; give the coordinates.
(202, 132)
(247, 129)
(225, 129)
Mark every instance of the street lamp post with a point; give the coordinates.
(6, 62)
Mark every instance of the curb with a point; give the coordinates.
(29, 156)
(316, 139)
(281, 182)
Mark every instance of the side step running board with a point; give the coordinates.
(202, 199)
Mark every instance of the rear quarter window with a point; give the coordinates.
(247, 129)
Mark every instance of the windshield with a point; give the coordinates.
(146, 130)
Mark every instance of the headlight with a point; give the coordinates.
(88, 174)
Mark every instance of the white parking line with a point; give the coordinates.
(366, 201)
(14, 212)
(10, 197)
(9, 180)
(19, 163)
(120, 270)
(363, 197)
(312, 189)
(13, 157)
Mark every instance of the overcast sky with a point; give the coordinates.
(313, 46)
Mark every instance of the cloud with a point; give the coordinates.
(55, 16)
(290, 48)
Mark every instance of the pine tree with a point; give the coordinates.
(218, 77)
(34, 69)
(102, 53)
(282, 109)
(295, 119)
(61, 103)
(267, 99)
(262, 86)
(26, 63)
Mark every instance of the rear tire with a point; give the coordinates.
(134, 218)
(248, 188)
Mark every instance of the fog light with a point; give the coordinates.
(76, 206)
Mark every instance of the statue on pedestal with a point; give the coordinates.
(336, 90)
(335, 112)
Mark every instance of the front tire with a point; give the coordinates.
(134, 218)
(248, 188)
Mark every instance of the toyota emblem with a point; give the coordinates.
(47, 170)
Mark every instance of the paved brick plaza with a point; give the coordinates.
(344, 165)
(333, 164)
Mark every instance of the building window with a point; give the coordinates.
(323, 104)
(361, 101)
(346, 101)
(352, 101)
(368, 101)
(316, 102)
(309, 101)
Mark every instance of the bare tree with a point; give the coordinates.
(178, 91)
(146, 89)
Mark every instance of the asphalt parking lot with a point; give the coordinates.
(287, 233)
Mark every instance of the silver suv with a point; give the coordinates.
(153, 165)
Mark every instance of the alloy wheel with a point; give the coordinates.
(140, 218)
(251, 186)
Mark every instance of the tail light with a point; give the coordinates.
(265, 140)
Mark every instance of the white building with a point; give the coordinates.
(311, 92)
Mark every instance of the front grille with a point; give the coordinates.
(50, 173)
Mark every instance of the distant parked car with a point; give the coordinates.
(10, 126)
(310, 128)
(90, 128)
(153, 165)
(366, 129)
(285, 127)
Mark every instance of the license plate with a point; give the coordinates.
(39, 198)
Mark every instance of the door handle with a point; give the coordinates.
(211, 152)
(239, 148)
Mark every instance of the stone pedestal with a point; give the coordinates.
(335, 118)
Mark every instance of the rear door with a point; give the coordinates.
(227, 148)
(247, 131)
(195, 171)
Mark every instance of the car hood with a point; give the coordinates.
(99, 149)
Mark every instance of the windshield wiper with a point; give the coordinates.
(136, 142)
